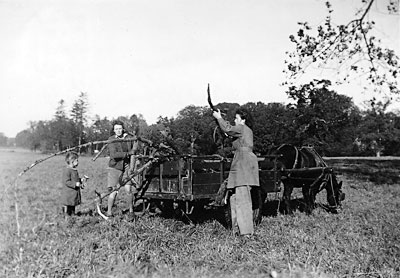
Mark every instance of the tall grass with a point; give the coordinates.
(363, 240)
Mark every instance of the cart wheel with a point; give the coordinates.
(257, 204)
(170, 209)
(166, 208)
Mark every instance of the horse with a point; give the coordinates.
(305, 168)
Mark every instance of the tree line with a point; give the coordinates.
(316, 116)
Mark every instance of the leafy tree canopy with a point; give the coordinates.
(351, 48)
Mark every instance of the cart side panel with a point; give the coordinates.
(164, 178)
(207, 175)
(171, 168)
(154, 184)
(206, 166)
(206, 183)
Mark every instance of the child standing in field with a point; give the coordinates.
(71, 185)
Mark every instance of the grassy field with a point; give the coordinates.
(363, 240)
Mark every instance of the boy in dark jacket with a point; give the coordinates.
(71, 184)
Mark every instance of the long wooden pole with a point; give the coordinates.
(72, 149)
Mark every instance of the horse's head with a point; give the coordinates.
(335, 195)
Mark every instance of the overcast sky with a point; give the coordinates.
(152, 57)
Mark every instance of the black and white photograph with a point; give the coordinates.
(212, 138)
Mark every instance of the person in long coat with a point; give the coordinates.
(71, 184)
(243, 173)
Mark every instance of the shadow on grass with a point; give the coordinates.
(272, 208)
(203, 213)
